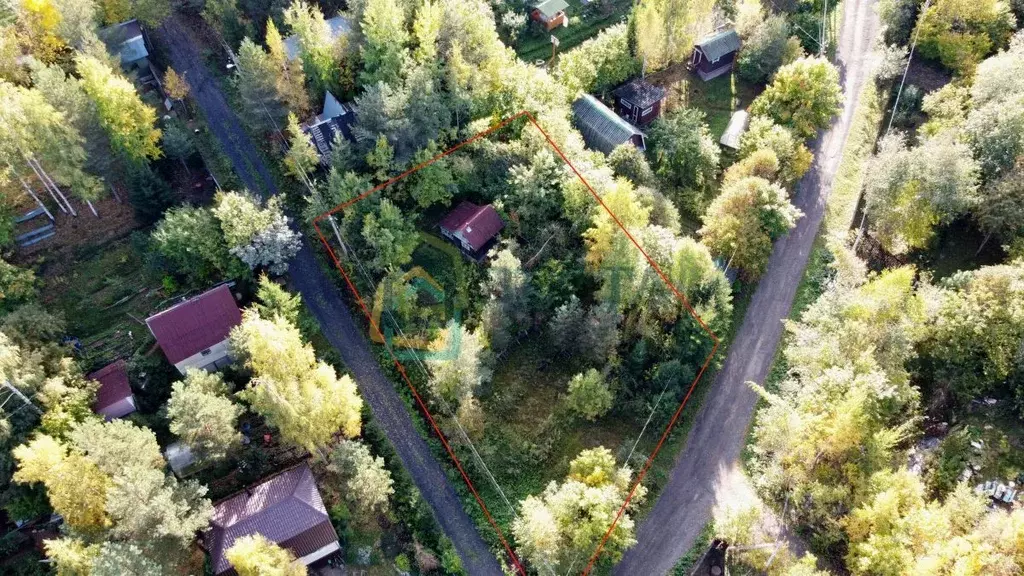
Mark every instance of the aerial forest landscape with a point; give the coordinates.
(484, 287)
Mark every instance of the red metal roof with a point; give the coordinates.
(114, 387)
(477, 224)
(286, 509)
(195, 325)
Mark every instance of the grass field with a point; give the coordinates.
(717, 98)
(584, 23)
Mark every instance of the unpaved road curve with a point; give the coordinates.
(714, 444)
(322, 298)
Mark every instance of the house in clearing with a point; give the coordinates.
(336, 28)
(601, 128)
(194, 333)
(715, 54)
(639, 101)
(114, 399)
(550, 13)
(286, 509)
(335, 120)
(474, 229)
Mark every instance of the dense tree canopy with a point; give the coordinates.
(744, 220)
(804, 96)
(960, 33)
(300, 396)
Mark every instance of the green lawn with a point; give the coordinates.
(718, 98)
(584, 23)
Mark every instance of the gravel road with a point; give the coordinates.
(718, 435)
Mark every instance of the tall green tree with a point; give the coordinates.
(385, 49)
(974, 339)
(364, 481)
(910, 191)
(300, 396)
(568, 519)
(685, 155)
(804, 96)
(664, 31)
(34, 129)
(257, 85)
(589, 395)
(744, 220)
(959, 34)
(390, 236)
(129, 122)
(203, 416)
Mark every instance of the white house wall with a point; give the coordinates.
(119, 409)
(215, 353)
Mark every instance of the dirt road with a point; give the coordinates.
(717, 437)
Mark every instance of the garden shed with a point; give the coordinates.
(715, 54)
(114, 399)
(550, 13)
(639, 101)
(601, 128)
(734, 131)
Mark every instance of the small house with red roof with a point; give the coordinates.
(114, 399)
(194, 333)
(286, 509)
(474, 229)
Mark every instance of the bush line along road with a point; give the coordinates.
(716, 440)
(324, 302)
(717, 437)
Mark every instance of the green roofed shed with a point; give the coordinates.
(550, 8)
(603, 129)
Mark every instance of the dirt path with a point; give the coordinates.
(717, 438)
(322, 298)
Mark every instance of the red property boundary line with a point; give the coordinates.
(419, 400)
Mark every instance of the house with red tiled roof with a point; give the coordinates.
(474, 229)
(194, 333)
(114, 399)
(286, 509)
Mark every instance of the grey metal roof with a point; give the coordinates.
(719, 44)
(640, 92)
(126, 37)
(335, 27)
(550, 7)
(601, 128)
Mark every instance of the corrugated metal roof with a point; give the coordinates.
(549, 8)
(196, 324)
(478, 224)
(601, 128)
(640, 92)
(335, 27)
(719, 44)
(286, 509)
(114, 386)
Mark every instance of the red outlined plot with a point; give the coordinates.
(419, 400)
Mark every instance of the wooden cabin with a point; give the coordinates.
(639, 101)
(550, 13)
(715, 54)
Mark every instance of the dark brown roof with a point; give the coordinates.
(196, 324)
(478, 224)
(640, 92)
(114, 387)
(286, 509)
